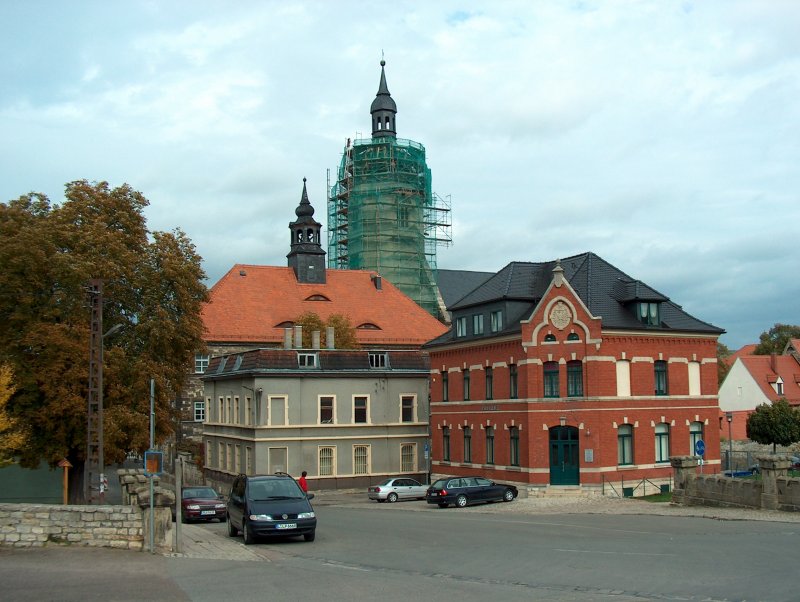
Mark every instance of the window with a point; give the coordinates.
(278, 405)
(446, 443)
(496, 321)
(574, 379)
(221, 410)
(623, 378)
(549, 338)
(326, 461)
(661, 377)
(490, 445)
(647, 313)
(573, 336)
(445, 387)
(200, 363)
(461, 327)
(307, 360)
(695, 435)
(662, 442)
(402, 216)
(408, 405)
(467, 444)
(513, 439)
(228, 410)
(237, 460)
(248, 460)
(377, 360)
(625, 444)
(236, 410)
(221, 456)
(408, 457)
(360, 459)
(513, 393)
(466, 384)
(694, 378)
(199, 411)
(779, 386)
(360, 407)
(326, 410)
(551, 379)
(230, 457)
(477, 324)
(489, 382)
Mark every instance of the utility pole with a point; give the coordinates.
(93, 470)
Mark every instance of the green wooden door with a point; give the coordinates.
(564, 450)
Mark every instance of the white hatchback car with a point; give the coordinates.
(398, 488)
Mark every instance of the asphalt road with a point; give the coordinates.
(408, 551)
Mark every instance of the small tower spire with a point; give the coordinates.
(383, 110)
(306, 256)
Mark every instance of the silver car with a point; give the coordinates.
(398, 488)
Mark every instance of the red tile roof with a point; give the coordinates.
(250, 303)
(765, 370)
(746, 350)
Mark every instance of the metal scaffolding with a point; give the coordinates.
(383, 216)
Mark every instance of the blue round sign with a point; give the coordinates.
(699, 447)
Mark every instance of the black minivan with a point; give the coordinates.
(270, 506)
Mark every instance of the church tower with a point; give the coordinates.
(382, 213)
(306, 257)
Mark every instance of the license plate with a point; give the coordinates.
(208, 512)
(286, 526)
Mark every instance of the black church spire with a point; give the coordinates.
(306, 256)
(383, 110)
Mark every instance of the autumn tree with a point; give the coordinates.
(723, 367)
(343, 332)
(12, 435)
(775, 339)
(774, 424)
(153, 289)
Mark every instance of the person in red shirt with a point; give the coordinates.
(302, 482)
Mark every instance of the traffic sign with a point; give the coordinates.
(699, 448)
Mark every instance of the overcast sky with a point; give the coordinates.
(663, 136)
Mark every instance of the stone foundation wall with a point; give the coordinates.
(35, 525)
(774, 491)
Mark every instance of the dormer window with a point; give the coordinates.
(378, 360)
(648, 313)
(307, 360)
(778, 385)
(461, 327)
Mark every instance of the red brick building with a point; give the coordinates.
(571, 373)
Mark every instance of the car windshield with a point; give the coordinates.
(275, 490)
(199, 492)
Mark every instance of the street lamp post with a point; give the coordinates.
(729, 418)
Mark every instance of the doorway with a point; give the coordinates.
(564, 450)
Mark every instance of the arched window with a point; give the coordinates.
(550, 338)
(573, 336)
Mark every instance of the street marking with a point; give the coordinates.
(614, 553)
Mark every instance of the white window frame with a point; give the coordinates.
(408, 456)
(461, 326)
(320, 470)
(201, 363)
(496, 320)
(199, 411)
(413, 397)
(378, 360)
(307, 360)
(319, 409)
(285, 399)
(367, 469)
(662, 443)
(367, 408)
(477, 324)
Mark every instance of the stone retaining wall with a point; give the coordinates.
(109, 526)
(774, 491)
(34, 525)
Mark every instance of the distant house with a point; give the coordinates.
(348, 418)
(756, 379)
(251, 306)
(571, 373)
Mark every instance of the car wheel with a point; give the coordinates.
(508, 495)
(232, 531)
(247, 533)
(442, 505)
(392, 497)
(310, 536)
(461, 501)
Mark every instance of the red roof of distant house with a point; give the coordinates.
(765, 370)
(253, 304)
(743, 351)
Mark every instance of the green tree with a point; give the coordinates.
(723, 367)
(774, 424)
(343, 332)
(774, 340)
(154, 289)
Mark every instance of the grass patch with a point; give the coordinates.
(657, 498)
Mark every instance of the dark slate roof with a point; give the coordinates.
(603, 288)
(260, 361)
(455, 284)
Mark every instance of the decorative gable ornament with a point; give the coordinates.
(560, 315)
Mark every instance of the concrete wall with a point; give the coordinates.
(774, 491)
